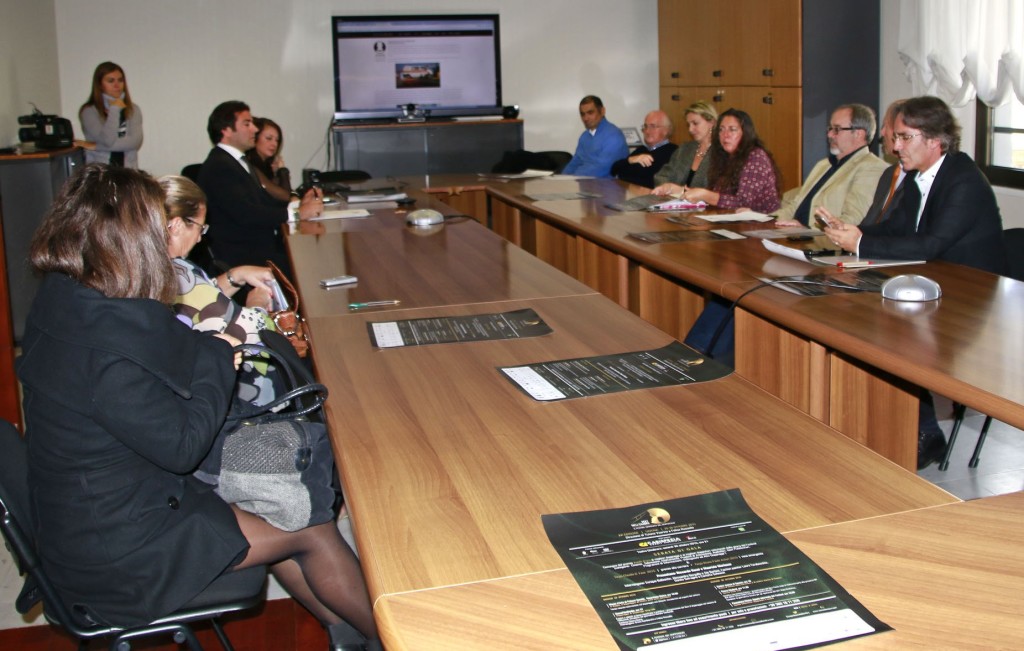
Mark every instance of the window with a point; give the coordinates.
(999, 143)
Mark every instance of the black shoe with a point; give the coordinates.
(344, 637)
(930, 448)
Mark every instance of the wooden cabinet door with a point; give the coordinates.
(689, 43)
(776, 115)
(674, 100)
(786, 47)
(670, 44)
(745, 40)
(782, 133)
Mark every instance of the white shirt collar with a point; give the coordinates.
(925, 178)
(236, 153)
(924, 181)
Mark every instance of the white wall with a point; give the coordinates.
(184, 57)
(28, 63)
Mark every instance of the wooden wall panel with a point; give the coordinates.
(556, 247)
(874, 409)
(668, 304)
(603, 270)
(777, 360)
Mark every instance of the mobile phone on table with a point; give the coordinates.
(338, 280)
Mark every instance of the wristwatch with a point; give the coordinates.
(231, 281)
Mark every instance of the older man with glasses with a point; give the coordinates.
(644, 162)
(844, 182)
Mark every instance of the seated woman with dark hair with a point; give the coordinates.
(742, 172)
(265, 159)
(122, 402)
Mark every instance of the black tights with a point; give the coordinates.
(315, 565)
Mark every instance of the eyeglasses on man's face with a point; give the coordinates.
(652, 127)
(203, 228)
(905, 137)
(834, 130)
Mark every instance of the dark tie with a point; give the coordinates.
(911, 199)
(892, 191)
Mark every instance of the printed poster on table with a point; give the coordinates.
(591, 376)
(516, 324)
(703, 573)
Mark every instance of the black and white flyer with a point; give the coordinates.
(703, 572)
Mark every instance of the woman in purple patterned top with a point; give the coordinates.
(742, 172)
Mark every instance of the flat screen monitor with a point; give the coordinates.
(444, 65)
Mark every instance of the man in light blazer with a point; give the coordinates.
(844, 182)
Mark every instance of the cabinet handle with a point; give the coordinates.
(675, 75)
(718, 97)
(767, 99)
(768, 72)
(716, 73)
(675, 98)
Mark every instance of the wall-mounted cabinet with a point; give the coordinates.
(785, 62)
(740, 43)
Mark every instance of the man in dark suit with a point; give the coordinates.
(646, 160)
(244, 219)
(948, 212)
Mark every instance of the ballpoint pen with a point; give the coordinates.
(359, 306)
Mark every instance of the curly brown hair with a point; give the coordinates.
(724, 169)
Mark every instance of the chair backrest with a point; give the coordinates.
(516, 162)
(1013, 242)
(13, 471)
(191, 172)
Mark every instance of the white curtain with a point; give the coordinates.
(959, 49)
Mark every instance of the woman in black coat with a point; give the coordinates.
(122, 402)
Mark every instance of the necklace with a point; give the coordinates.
(700, 154)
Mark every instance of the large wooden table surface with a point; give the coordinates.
(966, 347)
(947, 577)
(447, 466)
(459, 262)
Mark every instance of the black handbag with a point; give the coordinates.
(275, 460)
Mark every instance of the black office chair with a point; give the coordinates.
(555, 160)
(1013, 243)
(231, 592)
(191, 172)
(344, 176)
(516, 162)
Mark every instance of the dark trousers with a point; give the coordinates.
(716, 319)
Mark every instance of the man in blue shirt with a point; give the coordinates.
(600, 145)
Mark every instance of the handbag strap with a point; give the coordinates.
(264, 413)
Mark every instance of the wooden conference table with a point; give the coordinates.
(447, 467)
(947, 577)
(852, 361)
